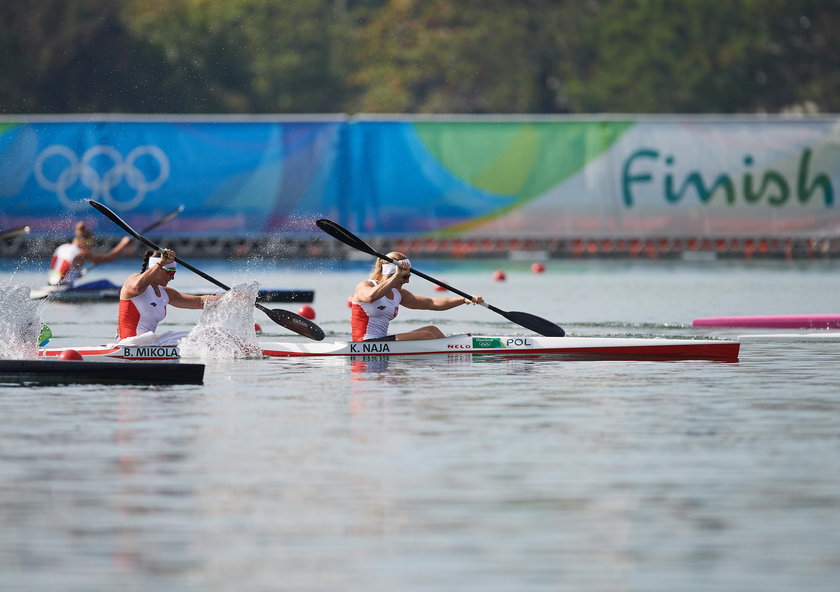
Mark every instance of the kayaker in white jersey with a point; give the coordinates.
(377, 300)
(69, 258)
(144, 297)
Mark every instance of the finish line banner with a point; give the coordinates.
(479, 177)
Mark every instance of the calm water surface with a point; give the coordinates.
(443, 473)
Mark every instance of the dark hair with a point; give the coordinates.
(146, 256)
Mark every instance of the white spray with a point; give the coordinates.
(20, 324)
(226, 327)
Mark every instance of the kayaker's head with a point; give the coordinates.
(83, 237)
(163, 263)
(382, 268)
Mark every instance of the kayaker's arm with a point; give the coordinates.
(91, 257)
(366, 291)
(136, 284)
(410, 300)
(180, 300)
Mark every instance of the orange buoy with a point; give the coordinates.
(537, 267)
(257, 329)
(70, 355)
(499, 275)
(307, 312)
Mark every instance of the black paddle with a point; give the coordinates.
(285, 318)
(14, 233)
(527, 320)
(152, 226)
(163, 219)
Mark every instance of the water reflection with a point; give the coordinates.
(367, 365)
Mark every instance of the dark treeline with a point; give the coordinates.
(419, 56)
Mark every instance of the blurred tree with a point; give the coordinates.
(58, 57)
(701, 56)
(413, 56)
(438, 56)
(251, 55)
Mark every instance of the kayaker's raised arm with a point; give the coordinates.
(145, 295)
(68, 258)
(376, 302)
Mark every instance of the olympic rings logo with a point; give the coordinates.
(93, 172)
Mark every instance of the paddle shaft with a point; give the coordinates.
(14, 233)
(527, 320)
(287, 319)
(124, 225)
(442, 284)
(436, 281)
(162, 220)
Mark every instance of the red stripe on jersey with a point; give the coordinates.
(129, 317)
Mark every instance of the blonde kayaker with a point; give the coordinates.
(376, 301)
(144, 297)
(68, 259)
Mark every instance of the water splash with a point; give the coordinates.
(20, 323)
(226, 327)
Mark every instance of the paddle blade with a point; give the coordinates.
(14, 233)
(345, 236)
(533, 322)
(294, 322)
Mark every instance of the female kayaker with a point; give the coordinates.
(377, 300)
(67, 260)
(144, 297)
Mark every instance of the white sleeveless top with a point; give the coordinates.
(61, 265)
(370, 320)
(142, 313)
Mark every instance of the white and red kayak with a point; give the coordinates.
(580, 348)
(585, 348)
(115, 352)
(810, 321)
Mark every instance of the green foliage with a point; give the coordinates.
(419, 56)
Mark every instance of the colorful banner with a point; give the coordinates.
(563, 178)
(235, 179)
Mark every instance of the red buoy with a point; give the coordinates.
(257, 329)
(537, 267)
(499, 275)
(439, 288)
(307, 312)
(70, 355)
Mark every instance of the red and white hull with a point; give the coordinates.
(117, 352)
(565, 347)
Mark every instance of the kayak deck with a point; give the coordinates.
(142, 353)
(617, 348)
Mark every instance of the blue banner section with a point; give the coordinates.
(234, 179)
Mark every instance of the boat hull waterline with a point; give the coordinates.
(625, 348)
